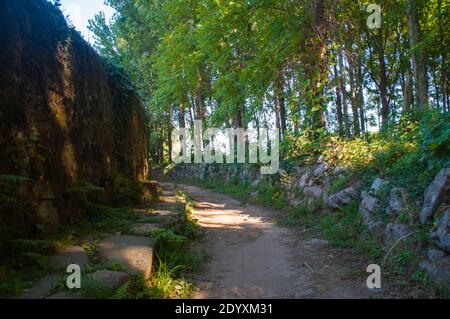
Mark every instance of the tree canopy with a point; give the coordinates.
(306, 66)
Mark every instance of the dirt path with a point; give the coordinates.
(252, 257)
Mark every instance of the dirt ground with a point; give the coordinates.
(253, 257)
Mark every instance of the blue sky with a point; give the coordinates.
(80, 11)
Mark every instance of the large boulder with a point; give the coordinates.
(345, 196)
(43, 288)
(395, 231)
(369, 207)
(109, 279)
(398, 199)
(144, 229)
(320, 170)
(442, 235)
(437, 193)
(65, 295)
(437, 267)
(71, 255)
(135, 253)
(255, 184)
(378, 185)
(304, 179)
(314, 191)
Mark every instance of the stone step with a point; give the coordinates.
(109, 279)
(71, 255)
(169, 199)
(167, 186)
(168, 193)
(133, 252)
(144, 229)
(65, 295)
(150, 188)
(166, 221)
(43, 288)
(175, 206)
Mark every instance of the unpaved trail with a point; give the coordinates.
(253, 257)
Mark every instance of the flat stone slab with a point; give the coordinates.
(165, 212)
(316, 243)
(172, 199)
(176, 206)
(133, 252)
(150, 188)
(110, 279)
(44, 287)
(72, 255)
(162, 220)
(144, 229)
(168, 193)
(65, 295)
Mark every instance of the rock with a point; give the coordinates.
(165, 213)
(135, 253)
(169, 199)
(442, 235)
(339, 170)
(395, 231)
(397, 201)
(316, 243)
(300, 170)
(295, 202)
(110, 279)
(313, 191)
(72, 255)
(304, 179)
(436, 193)
(437, 267)
(345, 196)
(320, 170)
(144, 229)
(369, 206)
(65, 295)
(172, 206)
(321, 159)
(378, 185)
(168, 193)
(376, 229)
(255, 184)
(166, 221)
(44, 287)
(150, 188)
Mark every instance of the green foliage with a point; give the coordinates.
(167, 239)
(339, 184)
(126, 192)
(84, 187)
(92, 289)
(435, 146)
(271, 194)
(165, 286)
(9, 190)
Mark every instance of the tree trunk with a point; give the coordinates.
(417, 57)
(280, 104)
(353, 97)
(361, 97)
(383, 82)
(315, 60)
(344, 97)
(444, 74)
(338, 104)
(181, 117)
